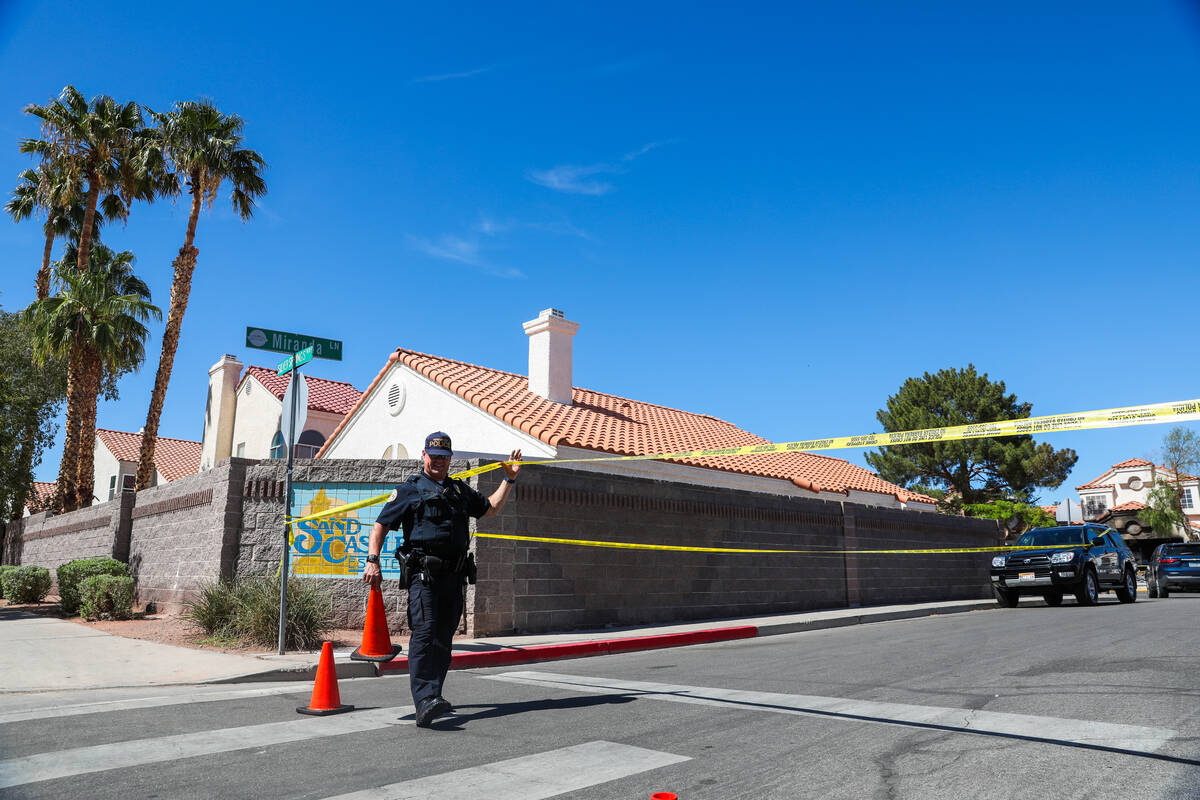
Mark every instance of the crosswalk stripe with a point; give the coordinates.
(155, 701)
(98, 758)
(532, 777)
(1132, 738)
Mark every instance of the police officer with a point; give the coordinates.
(433, 509)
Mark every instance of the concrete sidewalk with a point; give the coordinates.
(40, 653)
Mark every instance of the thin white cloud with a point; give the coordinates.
(573, 179)
(578, 179)
(492, 228)
(463, 251)
(450, 76)
(448, 248)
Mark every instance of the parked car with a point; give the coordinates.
(1173, 567)
(1083, 560)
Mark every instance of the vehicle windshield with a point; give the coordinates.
(1178, 550)
(1052, 536)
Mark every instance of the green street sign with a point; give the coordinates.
(284, 342)
(298, 360)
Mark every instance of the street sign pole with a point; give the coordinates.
(287, 525)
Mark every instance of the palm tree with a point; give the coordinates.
(102, 147)
(204, 148)
(99, 146)
(97, 321)
(46, 191)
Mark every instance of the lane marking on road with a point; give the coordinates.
(533, 777)
(135, 703)
(139, 752)
(1134, 739)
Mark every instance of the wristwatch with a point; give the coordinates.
(372, 559)
(510, 480)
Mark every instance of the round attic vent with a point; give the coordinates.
(1135, 483)
(395, 398)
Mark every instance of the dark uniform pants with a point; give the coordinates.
(434, 610)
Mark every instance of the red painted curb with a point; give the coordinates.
(553, 652)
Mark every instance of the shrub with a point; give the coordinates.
(4, 570)
(73, 573)
(215, 610)
(249, 610)
(27, 584)
(106, 597)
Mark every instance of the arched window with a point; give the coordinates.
(277, 448)
(308, 445)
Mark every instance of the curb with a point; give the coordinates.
(506, 656)
(502, 656)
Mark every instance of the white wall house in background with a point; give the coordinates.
(116, 457)
(1123, 490)
(488, 413)
(243, 413)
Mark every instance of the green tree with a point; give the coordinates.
(1016, 517)
(970, 470)
(47, 192)
(29, 397)
(1162, 513)
(101, 147)
(97, 322)
(203, 148)
(1180, 454)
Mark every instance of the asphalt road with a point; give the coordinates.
(1028, 702)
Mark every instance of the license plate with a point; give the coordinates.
(1026, 576)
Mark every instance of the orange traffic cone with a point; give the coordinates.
(376, 644)
(325, 699)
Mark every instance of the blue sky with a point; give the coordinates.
(771, 213)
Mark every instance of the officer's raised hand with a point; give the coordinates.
(511, 467)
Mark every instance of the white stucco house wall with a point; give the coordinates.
(489, 413)
(116, 455)
(1124, 489)
(244, 409)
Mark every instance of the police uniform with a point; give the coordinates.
(437, 532)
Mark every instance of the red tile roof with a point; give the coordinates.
(40, 499)
(610, 424)
(173, 458)
(1130, 506)
(1133, 462)
(337, 397)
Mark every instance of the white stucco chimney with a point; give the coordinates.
(219, 412)
(550, 355)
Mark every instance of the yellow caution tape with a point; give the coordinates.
(682, 549)
(1179, 411)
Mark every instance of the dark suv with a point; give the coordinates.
(1174, 567)
(1084, 560)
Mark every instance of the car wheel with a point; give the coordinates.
(1053, 598)
(1006, 597)
(1128, 591)
(1151, 587)
(1088, 593)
